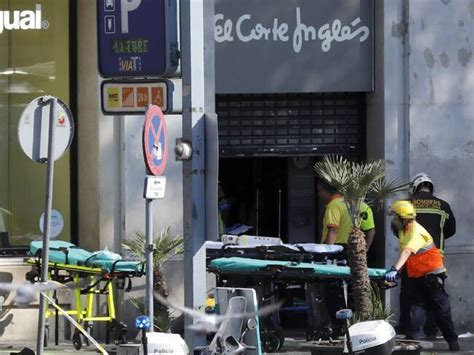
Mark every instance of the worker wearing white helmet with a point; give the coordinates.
(433, 213)
(436, 216)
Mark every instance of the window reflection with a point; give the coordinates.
(33, 62)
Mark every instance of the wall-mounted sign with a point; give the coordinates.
(155, 141)
(33, 128)
(22, 19)
(137, 38)
(279, 46)
(134, 97)
(57, 223)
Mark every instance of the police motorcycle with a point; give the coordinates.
(376, 337)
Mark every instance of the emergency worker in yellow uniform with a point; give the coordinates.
(337, 226)
(426, 273)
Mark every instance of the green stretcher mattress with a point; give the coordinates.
(70, 254)
(244, 265)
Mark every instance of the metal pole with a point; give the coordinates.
(149, 261)
(257, 208)
(200, 172)
(279, 210)
(46, 227)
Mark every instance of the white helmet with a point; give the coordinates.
(420, 179)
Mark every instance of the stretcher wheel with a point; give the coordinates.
(270, 342)
(281, 337)
(77, 341)
(324, 333)
(120, 336)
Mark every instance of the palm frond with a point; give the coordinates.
(353, 180)
(379, 310)
(383, 188)
(165, 246)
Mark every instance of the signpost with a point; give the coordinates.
(155, 152)
(137, 38)
(45, 132)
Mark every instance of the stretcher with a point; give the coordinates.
(304, 252)
(90, 274)
(285, 269)
(270, 278)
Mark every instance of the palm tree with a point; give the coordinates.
(354, 181)
(165, 247)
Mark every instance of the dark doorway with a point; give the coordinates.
(256, 189)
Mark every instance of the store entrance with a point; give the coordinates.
(275, 196)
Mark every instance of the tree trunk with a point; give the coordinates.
(162, 315)
(361, 289)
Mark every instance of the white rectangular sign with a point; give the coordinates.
(154, 187)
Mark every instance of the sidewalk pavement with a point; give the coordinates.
(291, 347)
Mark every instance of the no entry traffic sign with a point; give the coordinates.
(155, 140)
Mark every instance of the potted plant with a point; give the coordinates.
(165, 247)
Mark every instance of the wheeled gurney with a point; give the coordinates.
(271, 277)
(90, 274)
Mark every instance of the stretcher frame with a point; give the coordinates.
(269, 275)
(63, 273)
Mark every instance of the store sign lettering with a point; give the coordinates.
(130, 64)
(22, 20)
(280, 31)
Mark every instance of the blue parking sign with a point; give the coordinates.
(137, 38)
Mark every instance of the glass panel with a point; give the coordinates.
(33, 62)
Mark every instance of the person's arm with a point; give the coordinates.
(402, 258)
(369, 237)
(367, 225)
(331, 220)
(450, 225)
(331, 237)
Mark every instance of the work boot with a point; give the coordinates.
(454, 346)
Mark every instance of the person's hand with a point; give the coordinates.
(392, 274)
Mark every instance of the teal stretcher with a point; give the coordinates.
(244, 265)
(70, 254)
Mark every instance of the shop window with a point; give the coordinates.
(34, 61)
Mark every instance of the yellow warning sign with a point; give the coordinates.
(113, 99)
